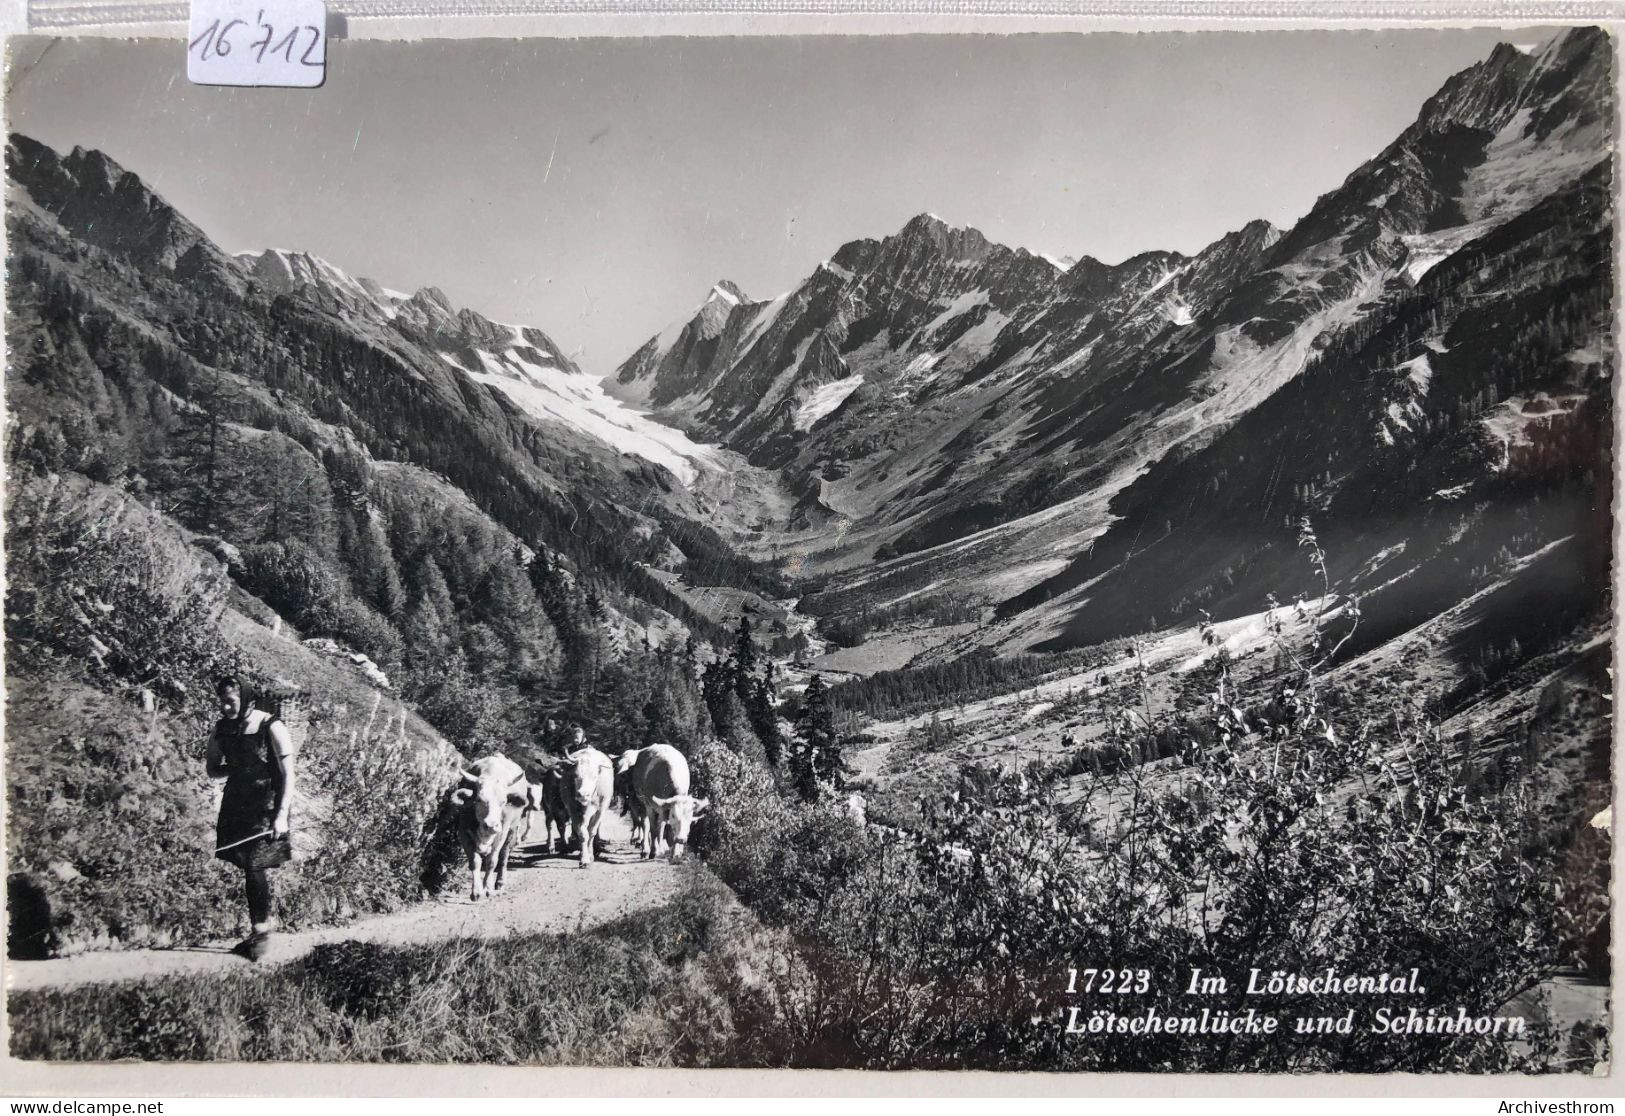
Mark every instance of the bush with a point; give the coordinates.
(303, 587)
(96, 579)
(295, 580)
(367, 819)
(1325, 838)
(366, 631)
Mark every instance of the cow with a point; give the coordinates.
(490, 799)
(631, 804)
(547, 799)
(660, 780)
(589, 784)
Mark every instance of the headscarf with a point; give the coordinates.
(246, 695)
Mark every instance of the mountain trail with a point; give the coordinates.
(545, 894)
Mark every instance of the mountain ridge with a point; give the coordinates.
(994, 413)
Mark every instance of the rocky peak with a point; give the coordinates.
(282, 272)
(482, 331)
(727, 290)
(94, 170)
(101, 203)
(1568, 72)
(1492, 141)
(1093, 281)
(432, 300)
(929, 232)
(720, 302)
(1237, 252)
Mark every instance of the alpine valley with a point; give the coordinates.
(945, 509)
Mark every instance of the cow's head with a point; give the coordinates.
(685, 811)
(582, 777)
(488, 802)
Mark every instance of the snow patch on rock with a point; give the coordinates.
(1509, 423)
(824, 401)
(580, 401)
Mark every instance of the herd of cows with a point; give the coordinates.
(494, 798)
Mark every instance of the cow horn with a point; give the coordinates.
(571, 756)
(664, 802)
(701, 805)
(467, 777)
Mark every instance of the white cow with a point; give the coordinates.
(660, 780)
(490, 798)
(589, 778)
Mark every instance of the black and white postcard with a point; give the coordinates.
(1057, 551)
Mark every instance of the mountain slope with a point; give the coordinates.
(1417, 399)
(962, 417)
(522, 361)
(1460, 428)
(340, 365)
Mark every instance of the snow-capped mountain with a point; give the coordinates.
(760, 374)
(521, 361)
(968, 413)
(950, 414)
(282, 272)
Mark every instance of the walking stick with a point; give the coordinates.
(246, 840)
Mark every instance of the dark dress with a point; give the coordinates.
(253, 780)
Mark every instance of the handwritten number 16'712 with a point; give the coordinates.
(214, 36)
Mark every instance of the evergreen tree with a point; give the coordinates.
(456, 703)
(284, 495)
(734, 728)
(716, 684)
(816, 759)
(207, 444)
(764, 717)
(374, 575)
(744, 659)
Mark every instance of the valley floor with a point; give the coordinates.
(545, 894)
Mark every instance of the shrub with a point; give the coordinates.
(365, 630)
(95, 578)
(368, 819)
(1328, 837)
(293, 579)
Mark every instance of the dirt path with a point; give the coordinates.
(544, 893)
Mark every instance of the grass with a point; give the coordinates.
(888, 650)
(110, 817)
(594, 998)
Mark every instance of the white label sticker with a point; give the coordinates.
(258, 42)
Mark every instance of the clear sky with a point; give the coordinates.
(597, 188)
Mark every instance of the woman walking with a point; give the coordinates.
(252, 750)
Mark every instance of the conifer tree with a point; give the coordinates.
(816, 761)
(764, 717)
(744, 659)
(208, 452)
